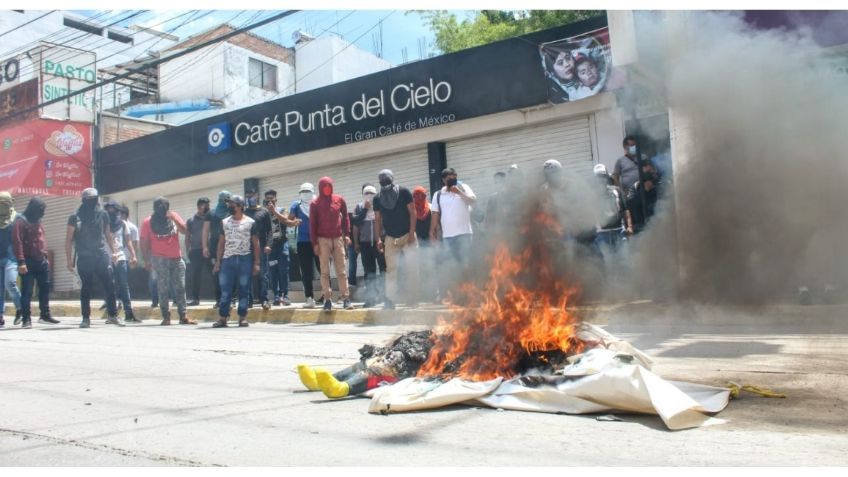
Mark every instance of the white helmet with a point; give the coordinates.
(600, 170)
(552, 164)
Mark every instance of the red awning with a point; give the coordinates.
(43, 157)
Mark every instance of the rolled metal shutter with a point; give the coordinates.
(55, 226)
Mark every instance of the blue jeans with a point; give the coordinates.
(122, 284)
(234, 269)
(9, 278)
(459, 247)
(606, 241)
(38, 271)
(279, 272)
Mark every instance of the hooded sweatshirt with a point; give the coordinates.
(28, 240)
(7, 217)
(327, 214)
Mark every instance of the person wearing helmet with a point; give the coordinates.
(89, 234)
(307, 259)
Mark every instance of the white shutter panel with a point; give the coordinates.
(55, 225)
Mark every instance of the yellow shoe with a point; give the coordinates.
(307, 377)
(330, 386)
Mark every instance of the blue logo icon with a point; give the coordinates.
(218, 137)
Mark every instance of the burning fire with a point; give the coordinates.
(520, 313)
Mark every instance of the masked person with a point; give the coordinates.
(199, 265)
(307, 258)
(260, 284)
(649, 188)
(365, 237)
(8, 263)
(212, 230)
(329, 228)
(278, 260)
(238, 259)
(160, 244)
(451, 208)
(89, 235)
(30, 247)
(125, 258)
(395, 214)
(426, 249)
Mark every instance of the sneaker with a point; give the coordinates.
(18, 315)
(27, 323)
(388, 305)
(48, 319)
(154, 304)
(243, 322)
(186, 321)
(328, 305)
(348, 305)
(85, 323)
(115, 320)
(310, 303)
(165, 322)
(277, 301)
(222, 323)
(266, 306)
(193, 303)
(286, 301)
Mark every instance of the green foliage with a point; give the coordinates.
(487, 26)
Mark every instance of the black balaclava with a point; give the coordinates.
(160, 224)
(35, 210)
(389, 192)
(115, 221)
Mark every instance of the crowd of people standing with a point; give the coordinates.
(400, 234)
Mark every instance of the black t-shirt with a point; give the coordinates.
(89, 237)
(262, 226)
(422, 228)
(195, 228)
(395, 221)
(216, 228)
(278, 230)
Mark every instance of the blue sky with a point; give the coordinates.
(401, 29)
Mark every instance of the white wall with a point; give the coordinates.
(324, 61)
(609, 132)
(218, 72)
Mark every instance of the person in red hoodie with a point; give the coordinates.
(329, 231)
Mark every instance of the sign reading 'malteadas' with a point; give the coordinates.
(400, 98)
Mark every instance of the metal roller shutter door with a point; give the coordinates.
(184, 204)
(55, 226)
(409, 168)
(477, 159)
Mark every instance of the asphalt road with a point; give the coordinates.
(146, 395)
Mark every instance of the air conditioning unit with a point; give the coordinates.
(301, 37)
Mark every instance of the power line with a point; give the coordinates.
(63, 31)
(150, 65)
(27, 23)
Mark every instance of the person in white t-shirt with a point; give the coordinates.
(451, 209)
(238, 259)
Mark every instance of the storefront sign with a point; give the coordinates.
(489, 79)
(63, 71)
(45, 157)
(22, 96)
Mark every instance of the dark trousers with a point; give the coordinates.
(38, 271)
(122, 284)
(372, 259)
(351, 265)
(308, 263)
(96, 265)
(279, 271)
(199, 267)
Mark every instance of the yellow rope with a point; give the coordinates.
(736, 388)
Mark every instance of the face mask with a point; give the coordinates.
(231, 209)
(369, 197)
(306, 196)
(251, 202)
(385, 182)
(631, 150)
(160, 209)
(89, 203)
(451, 182)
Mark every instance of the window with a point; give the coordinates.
(262, 75)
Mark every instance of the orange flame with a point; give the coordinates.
(520, 310)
